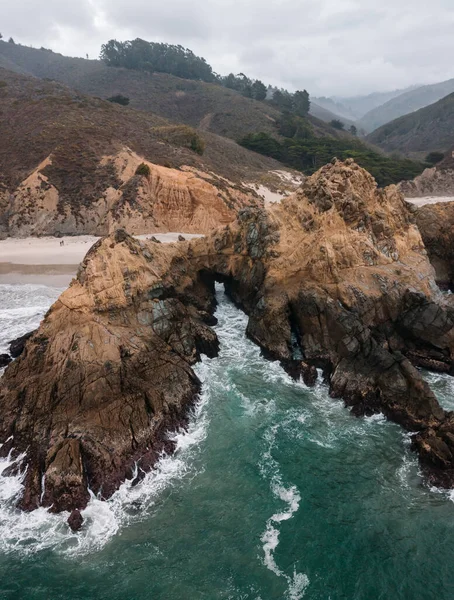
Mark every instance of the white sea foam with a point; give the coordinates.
(443, 387)
(22, 308)
(324, 417)
(288, 494)
(40, 529)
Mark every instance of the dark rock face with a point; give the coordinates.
(16, 347)
(436, 224)
(5, 359)
(75, 520)
(107, 376)
(335, 277)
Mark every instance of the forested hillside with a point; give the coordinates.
(147, 76)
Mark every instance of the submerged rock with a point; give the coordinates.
(339, 267)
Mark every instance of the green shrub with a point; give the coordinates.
(337, 124)
(143, 170)
(181, 135)
(311, 153)
(197, 144)
(434, 157)
(119, 99)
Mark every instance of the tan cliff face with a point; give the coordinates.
(437, 181)
(68, 162)
(339, 267)
(436, 224)
(163, 200)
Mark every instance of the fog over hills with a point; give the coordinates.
(355, 107)
(405, 103)
(426, 130)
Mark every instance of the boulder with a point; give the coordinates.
(75, 520)
(5, 359)
(436, 224)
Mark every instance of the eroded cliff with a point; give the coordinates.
(48, 202)
(436, 224)
(336, 274)
(68, 165)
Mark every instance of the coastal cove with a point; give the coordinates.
(275, 491)
(226, 300)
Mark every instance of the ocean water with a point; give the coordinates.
(275, 492)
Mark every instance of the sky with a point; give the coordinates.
(329, 47)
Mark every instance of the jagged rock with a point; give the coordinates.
(181, 238)
(16, 347)
(109, 371)
(107, 375)
(436, 224)
(437, 181)
(5, 359)
(75, 520)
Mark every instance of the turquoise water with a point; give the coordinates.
(275, 492)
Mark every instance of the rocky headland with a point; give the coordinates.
(335, 277)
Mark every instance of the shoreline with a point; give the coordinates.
(44, 261)
(422, 201)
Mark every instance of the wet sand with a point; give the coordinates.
(45, 261)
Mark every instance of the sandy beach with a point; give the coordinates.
(430, 200)
(44, 260)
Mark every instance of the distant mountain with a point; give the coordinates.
(429, 129)
(405, 103)
(360, 105)
(327, 115)
(355, 107)
(335, 107)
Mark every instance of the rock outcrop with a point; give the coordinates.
(159, 199)
(436, 224)
(5, 359)
(437, 181)
(335, 277)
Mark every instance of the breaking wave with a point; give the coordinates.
(297, 415)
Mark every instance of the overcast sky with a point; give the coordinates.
(342, 47)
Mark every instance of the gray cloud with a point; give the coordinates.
(339, 47)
